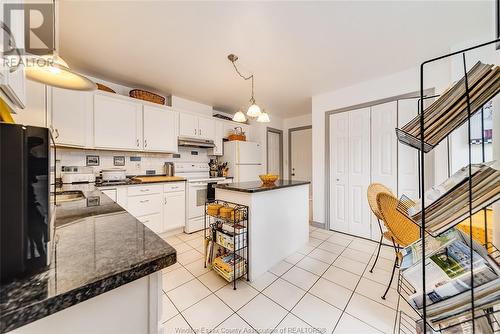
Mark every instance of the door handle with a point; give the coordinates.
(293, 174)
(199, 130)
(195, 131)
(137, 141)
(145, 143)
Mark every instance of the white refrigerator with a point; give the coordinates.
(244, 159)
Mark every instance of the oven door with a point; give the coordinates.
(196, 199)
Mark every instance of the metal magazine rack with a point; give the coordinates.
(226, 240)
(474, 306)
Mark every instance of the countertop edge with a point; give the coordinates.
(232, 187)
(21, 317)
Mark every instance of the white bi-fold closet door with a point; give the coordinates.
(350, 172)
(364, 149)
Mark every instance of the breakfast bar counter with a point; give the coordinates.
(278, 219)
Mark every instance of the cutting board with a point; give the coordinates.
(149, 179)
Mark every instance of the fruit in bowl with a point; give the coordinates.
(268, 179)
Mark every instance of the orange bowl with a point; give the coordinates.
(268, 179)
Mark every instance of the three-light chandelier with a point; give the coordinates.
(254, 110)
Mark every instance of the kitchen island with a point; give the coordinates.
(278, 223)
(104, 275)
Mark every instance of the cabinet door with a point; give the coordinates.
(71, 111)
(206, 128)
(188, 125)
(117, 123)
(160, 130)
(218, 139)
(174, 210)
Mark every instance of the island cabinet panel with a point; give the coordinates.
(71, 112)
(130, 308)
(160, 129)
(117, 123)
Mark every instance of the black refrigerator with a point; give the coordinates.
(27, 174)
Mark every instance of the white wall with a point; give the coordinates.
(290, 123)
(259, 134)
(437, 76)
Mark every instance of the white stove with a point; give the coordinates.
(200, 190)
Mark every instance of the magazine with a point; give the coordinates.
(448, 277)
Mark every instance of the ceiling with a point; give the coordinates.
(295, 49)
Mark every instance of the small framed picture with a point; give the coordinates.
(119, 160)
(92, 160)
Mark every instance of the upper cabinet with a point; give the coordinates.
(218, 141)
(117, 123)
(160, 129)
(194, 126)
(206, 128)
(71, 112)
(188, 125)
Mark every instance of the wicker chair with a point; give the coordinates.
(403, 231)
(373, 190)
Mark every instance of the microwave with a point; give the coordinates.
(27, 177)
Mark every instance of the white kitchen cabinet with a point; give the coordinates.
(196, 127)
(188, 125)
(206, 128)
(174, 212)
(160, 129)
(35, 113)
(153, 222)
(218, 139)
(71, 112)
(117, 123)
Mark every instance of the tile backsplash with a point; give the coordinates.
(136, 163)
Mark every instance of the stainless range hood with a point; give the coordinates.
(196, 142)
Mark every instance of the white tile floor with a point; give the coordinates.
(326, 287)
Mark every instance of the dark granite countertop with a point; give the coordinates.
(97, 247)
(257, 186)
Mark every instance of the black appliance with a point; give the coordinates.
(27, 173)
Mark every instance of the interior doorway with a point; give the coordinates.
(274, 163)
(300, 157)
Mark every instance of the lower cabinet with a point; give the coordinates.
(174, 212)
(153, 222)
(161, 207)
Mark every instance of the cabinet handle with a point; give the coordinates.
(144, 201)
(195, 131)
(57, 133)
(145, 143)
(175, 187)
(165, 200)
(137, 141)
(199, 131)
(143, 190)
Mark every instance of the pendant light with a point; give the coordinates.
(52, 70)
(254, 110)
(263, 117)
(239, 117)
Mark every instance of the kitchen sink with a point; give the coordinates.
(68, 196)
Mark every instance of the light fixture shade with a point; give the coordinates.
(263, 118)
(54, 71)
(239, 117)
(254, 110)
